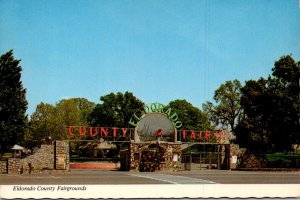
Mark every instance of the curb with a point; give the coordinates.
(92, 166)
(266, 169)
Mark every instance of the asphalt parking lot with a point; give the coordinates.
(84, 176)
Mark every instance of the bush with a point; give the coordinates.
(282, 159)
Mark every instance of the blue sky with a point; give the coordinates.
(159, 50)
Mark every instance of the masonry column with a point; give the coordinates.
(14, 166)
(62, 155)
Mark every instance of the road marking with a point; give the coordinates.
(173, 179)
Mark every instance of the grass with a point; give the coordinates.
(6, 156)
(282, 156)
(282, 159)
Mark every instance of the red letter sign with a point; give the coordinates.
(193, 135)
(114, 131)
(184, 134)
(82, 131)
(124, 130)
(207, 135)
(70, 131)
(95, 131)
(104, 132)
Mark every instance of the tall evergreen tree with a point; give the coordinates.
(13, 103)
(271, 109)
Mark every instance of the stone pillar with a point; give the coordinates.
(125, 160)
(62, 155)
(3, 167)
(225, 156)
(234, 152)
(135, 154)
(14, 166)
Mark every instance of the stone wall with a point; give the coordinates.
(240, 158)
(147, 157)
(3, 167)
(237, 155)
(42, 159)
(48, 157)
(155, 156)
(251, 161)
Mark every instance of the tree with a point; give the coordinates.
(115, 110)
(13, 103)
(192, 117)
(75, 111)
(227, 111)
(45, 125)
(271, 108)
(284, 89)
(50, 121)
(252, 131)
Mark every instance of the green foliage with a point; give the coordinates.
(75, 111)
(48, 123)
(115, 110)
(227, 111)
(282, 156)
(45, 122)
(282, 159)
(287, 71)
(13, 103)
(192, 118)
(272, 109)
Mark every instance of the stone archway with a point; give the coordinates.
(152, 122)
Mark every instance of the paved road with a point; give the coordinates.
(183, 177)
(245, 177)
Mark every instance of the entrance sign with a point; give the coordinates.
(103, 132)
(153, 119)
(155, 142)
(155, 126)
(203, 136)
(152, 108)
(190, 136)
